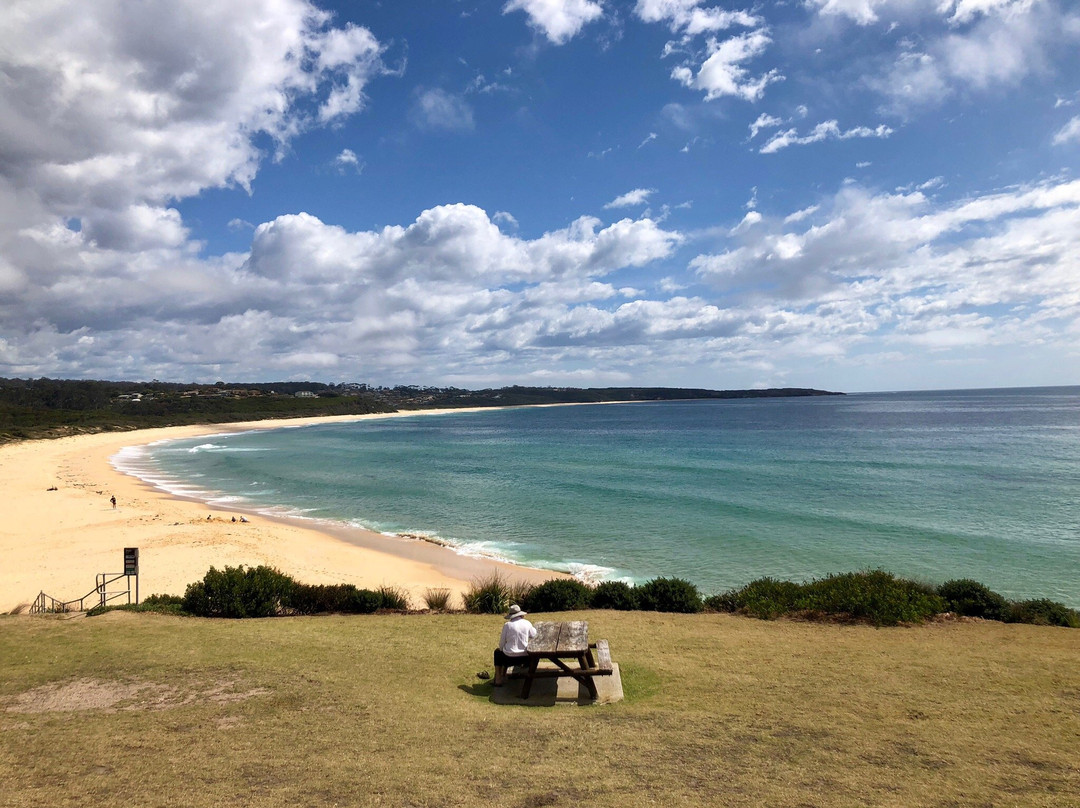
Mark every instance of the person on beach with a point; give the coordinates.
(113, 501)
(513, 642)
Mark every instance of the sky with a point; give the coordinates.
(851, 195)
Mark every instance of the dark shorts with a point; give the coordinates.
(506, 661)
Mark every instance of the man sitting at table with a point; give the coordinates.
(513, 643)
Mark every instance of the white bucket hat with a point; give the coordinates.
(515, 612)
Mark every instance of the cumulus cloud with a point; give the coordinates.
(718, 69)
(347, 160)
(121, 108)
(828, 130)
(559, 20)
(638, 196)
(723, 72)
(899, 268)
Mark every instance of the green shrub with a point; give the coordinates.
(160, 604)
(320, 598)
(437, 600)
(1043, 612)
(239, 592)
(876, 596)
(557, 595)
(724, 602)
(394, 598)
(765, 598)
(163, 604)
(614, 595)
(334, 598)
(972, 599)
(669, 595)
(488, 595)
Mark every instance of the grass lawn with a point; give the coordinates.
(148, 710)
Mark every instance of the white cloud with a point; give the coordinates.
(638, 196)
(1069, 132)
(120, 107)
(965, 10)
(996, 269)
(559, 20)
(828, 130)
(648, 139)
(764, 121)
(864, 12)
(690, 18)
(439, 109)
(979, 45)
(502, 217)
(723, 73)
(347, 160)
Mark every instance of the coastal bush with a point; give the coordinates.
(875, 595)
(489, 595)
(765, 598)
(557, 595)
(669, 595)
(160, 604)
(333, 598)
(437, 600)
(972, 599)
(614, 595)
(518, 591)
(394, 598)
(239, 592)
(1043, 612)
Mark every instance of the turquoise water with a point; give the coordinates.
(981, 484)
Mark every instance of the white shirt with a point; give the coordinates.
(515, 637)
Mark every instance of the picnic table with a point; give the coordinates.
(560, 642)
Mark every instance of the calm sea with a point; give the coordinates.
(980, 484)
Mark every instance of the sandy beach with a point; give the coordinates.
(60, 529)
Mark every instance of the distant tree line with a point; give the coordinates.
(42, 408)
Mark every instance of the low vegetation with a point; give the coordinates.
(874, 597)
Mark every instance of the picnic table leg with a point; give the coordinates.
(529, 677)
(585, 660)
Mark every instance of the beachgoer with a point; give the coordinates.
(113, 501)
(513, 642)
(242, 519)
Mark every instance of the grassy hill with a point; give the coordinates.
(149, 710)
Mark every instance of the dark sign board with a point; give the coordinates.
(131, 561)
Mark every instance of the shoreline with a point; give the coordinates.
(60, 529)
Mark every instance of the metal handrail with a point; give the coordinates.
(47, 604)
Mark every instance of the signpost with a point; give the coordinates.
(131, 566)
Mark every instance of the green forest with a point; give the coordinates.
(48, 408)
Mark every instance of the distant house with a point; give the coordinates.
(305, 394)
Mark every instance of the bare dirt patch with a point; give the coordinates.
(112, 696)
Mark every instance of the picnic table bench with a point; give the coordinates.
(559, 642)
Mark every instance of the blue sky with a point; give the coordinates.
(845, 194)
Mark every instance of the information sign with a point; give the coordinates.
(131, 561)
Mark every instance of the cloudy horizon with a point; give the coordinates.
(843, 194)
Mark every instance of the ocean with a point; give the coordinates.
(981, 484)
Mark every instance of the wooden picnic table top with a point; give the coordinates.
(569, 639)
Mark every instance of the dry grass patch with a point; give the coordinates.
(387, 710)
